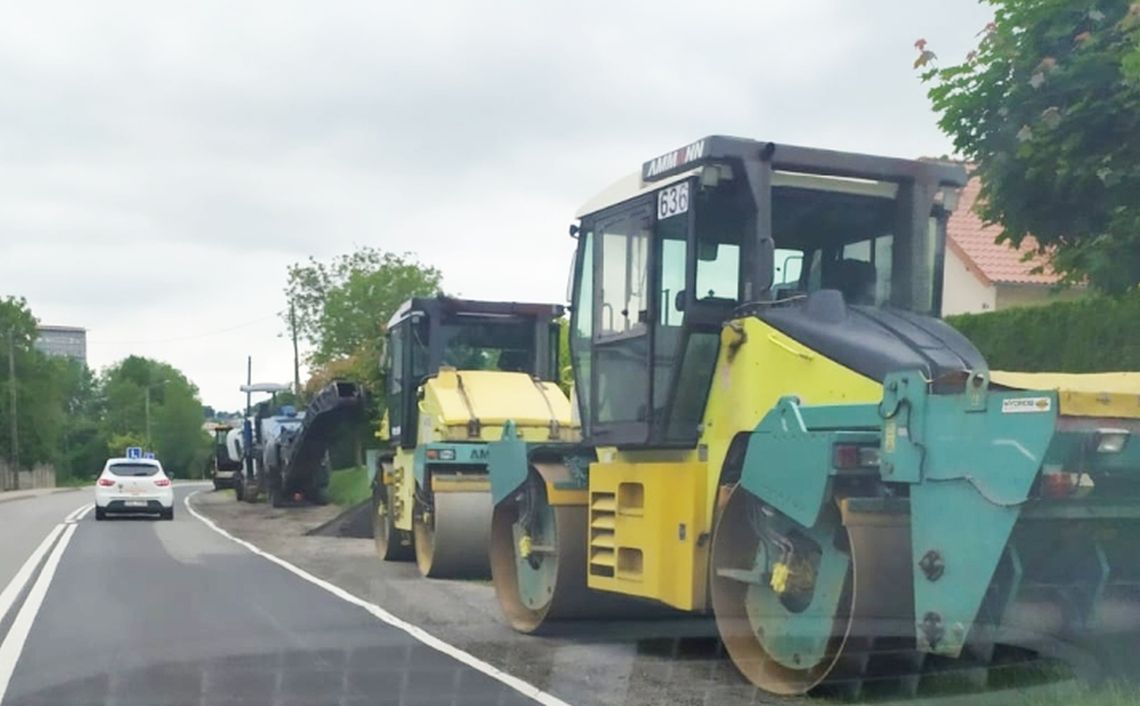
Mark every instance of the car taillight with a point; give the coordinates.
(106, 482)
(162, 482)
(1060, 485)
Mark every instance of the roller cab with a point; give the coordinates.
(457, 370)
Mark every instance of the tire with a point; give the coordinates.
(391, 544)
(239, 489)
(100, 515)
(217, 486)
(168, 513)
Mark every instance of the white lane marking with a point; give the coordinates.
(415, 631)
(71, 515)
(77, 514)
(17, 635)
(16, 585)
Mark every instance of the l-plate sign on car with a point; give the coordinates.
(671, 161)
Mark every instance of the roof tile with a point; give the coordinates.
(997, 262)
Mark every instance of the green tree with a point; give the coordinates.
(175, 424)
(39, 395)
(341, 308)
(1048, 109)
(83, 442)
(117, 444)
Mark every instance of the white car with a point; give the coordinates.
(133, 486)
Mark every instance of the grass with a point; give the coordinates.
(349, 486)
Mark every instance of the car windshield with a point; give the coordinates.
(126, 470)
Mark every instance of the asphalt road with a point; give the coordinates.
(140, 611)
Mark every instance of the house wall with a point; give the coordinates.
(963, 290)
(1011, 295)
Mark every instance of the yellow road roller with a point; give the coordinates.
(778, 429)
(456, 371)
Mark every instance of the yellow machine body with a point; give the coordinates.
(469, 407)
(662, 504)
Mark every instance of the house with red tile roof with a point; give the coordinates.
(982, 275)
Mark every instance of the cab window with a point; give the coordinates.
(625, 273)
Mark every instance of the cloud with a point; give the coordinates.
(162, 163)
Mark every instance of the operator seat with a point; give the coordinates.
(514, 361)
(855, 280)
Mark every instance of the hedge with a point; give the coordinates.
(1090, 335)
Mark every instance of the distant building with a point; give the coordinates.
(982, 275)
(69, 341)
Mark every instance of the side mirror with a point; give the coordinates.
(679, 300)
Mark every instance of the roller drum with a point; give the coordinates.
(549, 586)
(452, 539)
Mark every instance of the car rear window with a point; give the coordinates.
(133, 469)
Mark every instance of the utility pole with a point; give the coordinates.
(248, 382)
(296, 358)
(15, 450)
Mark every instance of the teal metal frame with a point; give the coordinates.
(967, 460)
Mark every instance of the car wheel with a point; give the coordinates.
(100, 515)
(168, 513)
(217, 486)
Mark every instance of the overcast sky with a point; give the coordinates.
(161, 164)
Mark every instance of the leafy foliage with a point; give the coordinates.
(341, 309)
(342, 306)
(176, 434)
(1048, 109)
(1099, 334)
(40, 392)
(72, 419)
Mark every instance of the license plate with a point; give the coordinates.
(136, 503)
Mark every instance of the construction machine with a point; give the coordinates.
(778, 429)
(456, 370)
(260, 428)
(225, 464)
(296, 461)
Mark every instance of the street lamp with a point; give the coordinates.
(146, 406)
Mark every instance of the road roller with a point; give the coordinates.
(456, 370)
(779, 431)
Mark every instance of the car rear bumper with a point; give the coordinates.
(115, 502)
(121, 507)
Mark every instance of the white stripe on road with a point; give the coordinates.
(13, 643)
(78, 513)
(16, 585)
(415, 631)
